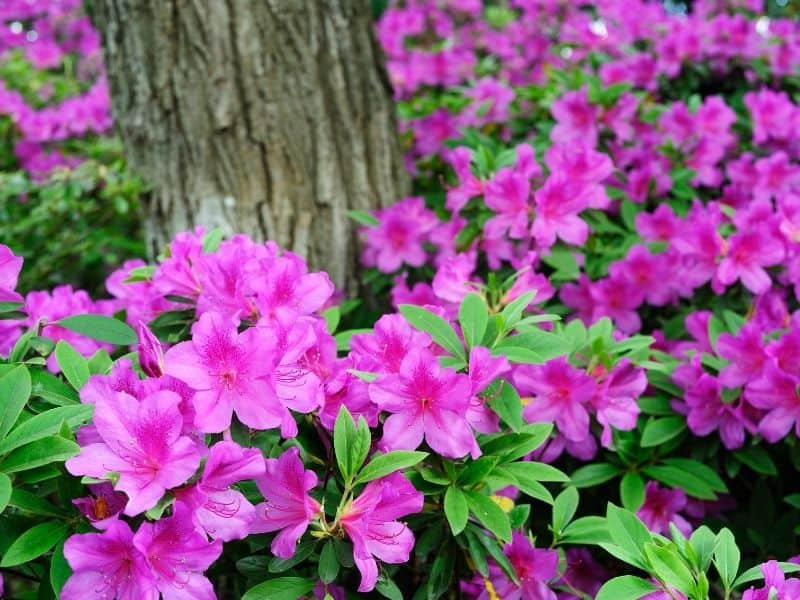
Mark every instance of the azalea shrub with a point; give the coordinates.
(67, 202)
(582, 382)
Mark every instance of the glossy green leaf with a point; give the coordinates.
(456, 509)
(15, 389)
(384, 464)
(34, 542)
(102, 328)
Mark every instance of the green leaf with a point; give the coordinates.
(388, 588)
(716, 327)
(512, 312)
(436, 326)
(328, 563)
(678, 478)
(332, 316)
(631, 491)
(726, 557)
(512, 446)
(702, 542)
(5, 491)
(212, 239)
(45, 424)
(592, 475)
(659, 431)
(477, 470)
(586, 530)
(363, 217)
(102, 328)
(15, 389)
(34, 542)
(59, 569)
(441, 573)
(626, 587)
(489, 514)
(456, 509)
(564, 507)
(282, 588)
(628, 532)
(384, 464)
(536, 471)
(540, 346)
(700, 471)
(50, 388)
(25, 501)
(41, 452)
(344, 437)
(74, 366)
(507, 403)
(526, 485)
(757, 459)
(670, 567)
(473, 316)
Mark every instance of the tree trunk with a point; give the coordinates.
(267, 117)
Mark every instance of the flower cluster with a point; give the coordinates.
(57, 38)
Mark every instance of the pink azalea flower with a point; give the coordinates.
(748, 253)
(178, 556)
(142, 442)
(561, 393)
(746, 352)
(288, 507)
(10, 266)
(103, 506)
(576, 119)
(217, 509)
(230, 372)
(399, 236)
(776, 391)
(558, 203)
(107, 565)
(508, 195)
(371, 523)
(616, 399)
(426, 401)
(661, 507)
(532, 566)
(285, 290)
(776, 586)
(384, 349)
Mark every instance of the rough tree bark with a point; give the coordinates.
(268, 117)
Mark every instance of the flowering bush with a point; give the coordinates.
(586, 387)
(66, 200)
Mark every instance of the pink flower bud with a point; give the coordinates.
(151, 354)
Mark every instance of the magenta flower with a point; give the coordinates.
(508, 195)
(371, 523)
(532, 566)
(10, 266)
(576, 119)
(217, 509)
(142, 442)
(616, 399)
(384, 349)
(178, 556)
(107, 565)
(748, 253)
(746, 352)
(230, 372)
(558, 203)
(426, 401)
(399, 237)
(661, 507)
(103, 506)
(584, 573)
(285, 289)
(776, 586)
(776, 391)
(561, 393)
(288, 507)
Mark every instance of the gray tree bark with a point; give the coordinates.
(267, 117)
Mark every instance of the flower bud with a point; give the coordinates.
(151, 354)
